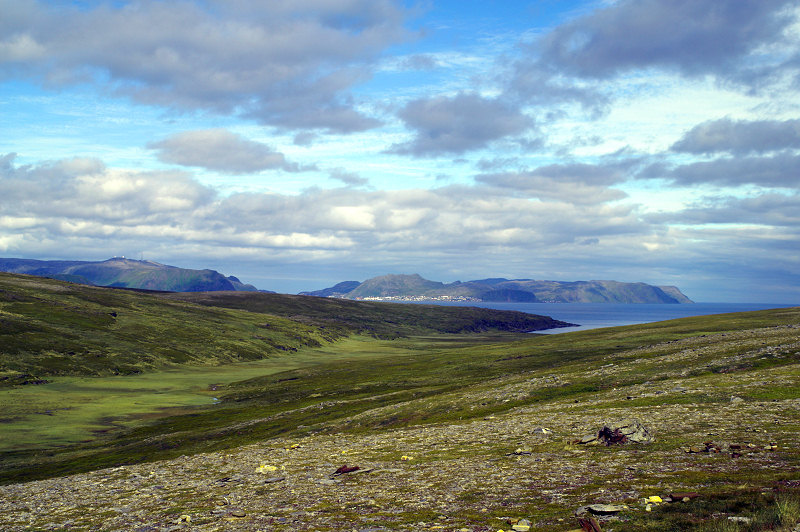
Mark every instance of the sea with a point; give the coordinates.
(597, 315)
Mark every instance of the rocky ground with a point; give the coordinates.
(724, 411)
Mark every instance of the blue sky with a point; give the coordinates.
(298, 144)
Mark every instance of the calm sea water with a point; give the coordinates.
(596, 315)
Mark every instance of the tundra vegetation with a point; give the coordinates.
(124, 410)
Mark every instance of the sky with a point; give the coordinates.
(296, 144)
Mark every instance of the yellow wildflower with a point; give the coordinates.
(264, 468)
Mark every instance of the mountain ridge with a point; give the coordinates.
(497, 289)
(119, 272)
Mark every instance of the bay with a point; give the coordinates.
(597, 315)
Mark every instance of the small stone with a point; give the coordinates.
(361, 472)
(523, 525)
(680, 495)
(542, 430)
(605, 509)
(237, 512)
(272, 480)
(735, 399)
(346, 469)
(185, 519)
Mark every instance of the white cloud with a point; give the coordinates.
(222, 151)
(457, 124)
(19, 48)
(741, 137)
(286, 64)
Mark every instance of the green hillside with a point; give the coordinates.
(383, 320)
(456, 431)
(49, 327)
(55, 328)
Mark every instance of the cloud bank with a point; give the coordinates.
(653, 140)
(287, 64)
(83, 205)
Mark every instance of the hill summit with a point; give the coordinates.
(414, 287)
(119, 272)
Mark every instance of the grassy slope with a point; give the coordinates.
(54, 328)
(383, 320)
(50, 327)
(402, 390)
(678, 376)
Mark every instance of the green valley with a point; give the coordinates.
(399, 417)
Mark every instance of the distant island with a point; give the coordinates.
(395, 287)
(119, 272)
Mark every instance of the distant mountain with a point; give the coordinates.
(395, 285)
(414, 287)
(338, 290)
(127, 273)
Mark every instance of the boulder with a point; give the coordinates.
(600, 509)
(625, 431)
(605, 509)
